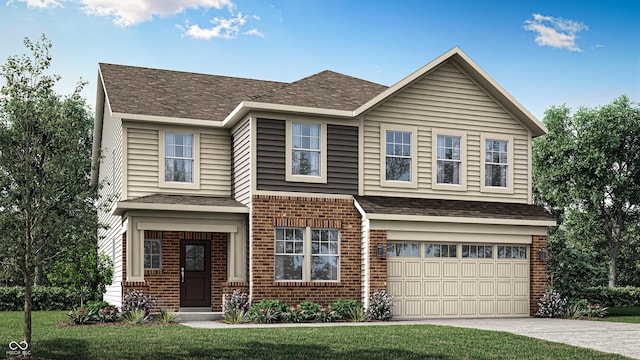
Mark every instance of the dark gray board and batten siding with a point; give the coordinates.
(342, 160)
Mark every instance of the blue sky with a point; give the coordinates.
(579, 53)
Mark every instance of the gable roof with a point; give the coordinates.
(478, 75)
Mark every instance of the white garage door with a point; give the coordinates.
(428, 280)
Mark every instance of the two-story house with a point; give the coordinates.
(324, 188)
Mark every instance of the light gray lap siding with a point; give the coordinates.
(342, 160)
(241, 164)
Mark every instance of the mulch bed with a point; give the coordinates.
(115, 324)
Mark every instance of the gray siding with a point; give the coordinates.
(342, 160)
(241, 164)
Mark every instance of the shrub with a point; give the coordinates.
(551, 304)
(267, 311)
(235, 316)
(596, 311)
(97, 305)
(237, 300)
(293, 314)
(627, 296)
(309, 310)
(81, 316)
(357, 314)
(137, 300)
(43, 298)
(136, 317)
(380, 306)
(166, 316)
(343, 307)
(325, 314)
(575, 309)
(106, 314)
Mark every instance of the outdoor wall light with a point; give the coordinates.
(379, 250)
(542, 254)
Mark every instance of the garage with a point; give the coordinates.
(451, 279)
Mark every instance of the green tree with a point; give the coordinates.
(48, 205)
(587, 173)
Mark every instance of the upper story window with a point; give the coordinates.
(449, 160)
(398, 155)
(306, 157)
(179, 159)
(497, 163)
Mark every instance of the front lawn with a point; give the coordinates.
(623, 314)
(371, 342)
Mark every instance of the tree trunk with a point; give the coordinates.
(27, 288)
(613, 274)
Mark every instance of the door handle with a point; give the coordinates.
(182, 273)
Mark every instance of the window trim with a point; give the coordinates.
(510, 163)
(434, 160)
(414, 156)
(196, 161)
(307, 255)
(289, 176)
(144, 255)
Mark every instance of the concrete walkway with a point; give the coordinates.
(610, 337)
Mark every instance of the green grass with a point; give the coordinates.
(623, 314)
(369, 342)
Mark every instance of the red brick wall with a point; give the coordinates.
(164, 284)
(538, 279)
(377, 265)
(270, 212)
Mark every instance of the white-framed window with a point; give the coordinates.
(179, 159)
(440, 250)
(496, 169)
(307, 254)
(398, 155)
(403, 249)
(306, 152)
(512, 252)
(477, 251)
(152, 254)
(449, 159)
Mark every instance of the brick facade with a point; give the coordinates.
(269, 212)
(164, 284)
(538, 277)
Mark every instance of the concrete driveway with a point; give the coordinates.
(610, 337)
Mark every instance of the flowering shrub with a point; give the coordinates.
(309, 310)
(293, 314)
(595, 310)
(136, 299)
(325, 314)
(379, 306)
(237, 300)
(81, 316)
(551, 304)
(107, 314)
(267, 311)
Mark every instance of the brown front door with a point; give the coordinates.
(195, 273)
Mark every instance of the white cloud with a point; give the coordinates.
(555, 31)
(38, 4)
(223, 28)
(131, 12)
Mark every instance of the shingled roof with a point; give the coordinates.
(166, 93)
(451, 208)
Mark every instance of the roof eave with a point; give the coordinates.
(97, 129)
(246, 106)
(124, 206)
(460, 220)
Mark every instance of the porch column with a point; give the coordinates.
(135, 254)
(237, 258)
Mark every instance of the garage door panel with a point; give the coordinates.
(504, 288)
(486, 270)
(413, 288)
(432, 288)
(394, 269)
(468, 307)
(486, 307)
(394, 288)
(450, 269)
(450, 307)
(450, 288)
(521, 270)
(469, 269)
(520, 288)
(504, 307)
(432, 269)
(468, 288)
(432, 308)
(521, 307)
(486, 288)
(397, 307)
(412, 269)
(412, 308)
(503, 270)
